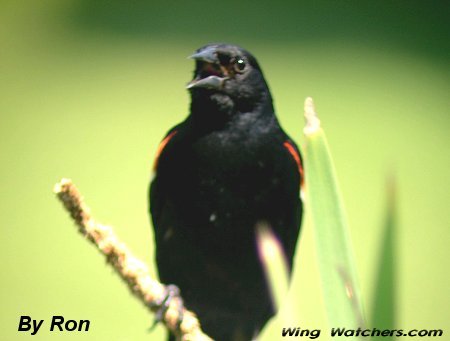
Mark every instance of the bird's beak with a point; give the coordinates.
(207, 59)
(210, 82)
(208, 55)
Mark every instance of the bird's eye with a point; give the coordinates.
(240, 65)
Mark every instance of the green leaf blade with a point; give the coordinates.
(383, 311)
(341, 293)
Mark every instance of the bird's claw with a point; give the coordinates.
(171, 292)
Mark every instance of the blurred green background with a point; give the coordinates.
(88, 89)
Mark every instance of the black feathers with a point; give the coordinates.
(219, 173)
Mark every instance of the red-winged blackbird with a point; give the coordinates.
(226, 168)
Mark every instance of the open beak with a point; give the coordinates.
(209, 73)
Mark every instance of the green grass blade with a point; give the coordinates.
(334, 251)
(275, 267)
(383, 312)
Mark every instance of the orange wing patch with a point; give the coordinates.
(161, 147)
(290, 148)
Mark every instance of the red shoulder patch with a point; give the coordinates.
(291, 149)
(161, 147)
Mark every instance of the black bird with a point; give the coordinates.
(226, 168)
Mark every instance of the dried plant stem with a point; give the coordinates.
(133, 271)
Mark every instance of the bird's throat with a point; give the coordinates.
(211, 110)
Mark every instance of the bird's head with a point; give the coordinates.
(229, 77)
